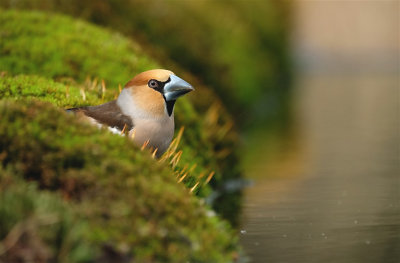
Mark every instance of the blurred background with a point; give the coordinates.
(332, 192)
(313, 88)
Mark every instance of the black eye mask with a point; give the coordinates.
(159, 86)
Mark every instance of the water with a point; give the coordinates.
(333, 195)
(342, 203)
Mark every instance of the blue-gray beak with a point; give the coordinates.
(175, 88)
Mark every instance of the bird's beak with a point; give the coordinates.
(175, 88)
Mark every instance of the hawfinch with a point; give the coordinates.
(144, 108)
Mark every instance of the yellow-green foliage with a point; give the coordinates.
(34, 42)
(198, 153)
(58, 46)
(39, 225)
(44, 89)
(131, 202)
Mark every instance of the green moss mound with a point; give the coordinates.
(39, 225)
(58, 46)
(124, 204)
(64, 96)
(45, 44)
(61, 95)
(133, 207)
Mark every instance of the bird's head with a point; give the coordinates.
(157, 90)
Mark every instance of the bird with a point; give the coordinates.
(144, 109)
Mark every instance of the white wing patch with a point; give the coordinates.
(113, 130)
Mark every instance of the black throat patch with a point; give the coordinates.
(170, 106)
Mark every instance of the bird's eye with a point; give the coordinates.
(153, 83)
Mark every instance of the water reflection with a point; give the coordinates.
(339, 201)
(343, 206)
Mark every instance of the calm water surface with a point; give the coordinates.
(334, 193)
(342, 203)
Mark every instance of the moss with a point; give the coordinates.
(39, 225)
(208, 142)
(59, 94)
(58, 46)
(97, 172)
(28, 28)
(63, 96)
(132, 204)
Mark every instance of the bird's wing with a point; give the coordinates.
(108, 114)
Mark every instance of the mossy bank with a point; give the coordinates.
(79, 54)
(106, 200)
